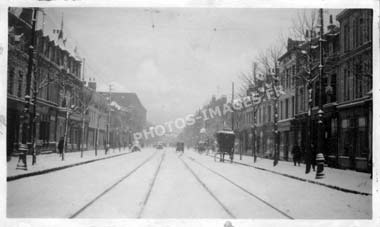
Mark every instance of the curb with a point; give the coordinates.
(40, 172)
(306, 180)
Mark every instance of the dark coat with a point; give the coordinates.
(60, 144)
(296, 151)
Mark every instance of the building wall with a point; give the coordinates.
(49, 60)
(355, 85)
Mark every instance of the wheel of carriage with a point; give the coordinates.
(218, 155)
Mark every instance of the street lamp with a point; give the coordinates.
(26, 118)
(309, 80)
(320, 157)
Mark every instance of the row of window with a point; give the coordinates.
(57, 55)
(357, 78)
(16, 83)
(357, 30)
(95, 122)
(288, 77)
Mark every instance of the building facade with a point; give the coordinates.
(354, 96)
(54, 84)
(346, 96)
(288, 69)
(61, 103)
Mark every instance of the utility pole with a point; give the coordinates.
(82, 132)
(255, 108)
(109, 119)
(320, 136)
(275, 125)
(309, 86)
(34, 119)
(27, 116)
(84, 109)
(233, 115)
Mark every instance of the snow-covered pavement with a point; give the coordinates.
(54, 160)
(297, 198)
(162, 184)
(346, 179)
(62, 193)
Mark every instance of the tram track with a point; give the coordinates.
(207, 188)
(108, 189)
(232, 183)
(151, 185)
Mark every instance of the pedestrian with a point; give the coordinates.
(296, 151)
(61, 145)
(105, 146)
(313, 156)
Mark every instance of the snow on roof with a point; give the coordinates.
(59, 38)
(116, 105)
(61, 42)
(226, 132)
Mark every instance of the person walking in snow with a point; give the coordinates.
(313, 156)
(61, 145)
(296, 151)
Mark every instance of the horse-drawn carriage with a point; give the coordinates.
(226, 141)
(180, 147)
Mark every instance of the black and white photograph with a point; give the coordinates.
(182, 112)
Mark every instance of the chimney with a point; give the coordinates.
(92, 84)
(331, 26)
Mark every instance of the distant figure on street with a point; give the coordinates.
(61, 145)
(105, 146)
(310, 156)
(313, 156)
(296, 151)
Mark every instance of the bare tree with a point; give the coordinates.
(85, 98)
(40, 82)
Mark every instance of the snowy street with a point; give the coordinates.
(164, 184)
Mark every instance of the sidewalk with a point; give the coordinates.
(50, 162)
(344, 180)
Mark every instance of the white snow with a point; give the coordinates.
(176, 193)
(48, 161)
(347, 179)
(299, 199)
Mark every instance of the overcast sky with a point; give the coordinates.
(174, 59)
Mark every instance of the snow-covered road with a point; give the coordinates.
(161, 184)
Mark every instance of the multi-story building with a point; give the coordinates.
(209, 119)
(64, 105)
(98, 118)
(132, 109)
(307, 82)
(288, 66)
(217, 121)
(55, 83)
(354, 82)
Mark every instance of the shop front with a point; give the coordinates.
(354, 136)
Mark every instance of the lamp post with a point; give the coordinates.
(320, 136)
(26, 118)
(309, 80)
(276, 133)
